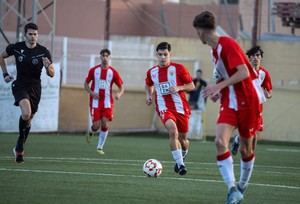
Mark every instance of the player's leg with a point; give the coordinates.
(95, 115)
(226, 123)
(35, 97)
(254, 143)
(27, 130)
(106, 117)
(24, 122)
(102, 135)
(182, 123)
(185, 144)
(248, 125)
(235, 144)
(225, 161)
(224, 158)
(175, 145)
(247, 162)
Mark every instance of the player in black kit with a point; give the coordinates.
(30, 59)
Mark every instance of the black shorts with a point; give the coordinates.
(31, 92)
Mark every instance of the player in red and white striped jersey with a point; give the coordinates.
(98, 84)
(170, 81)
(255, 55)
(239, 103)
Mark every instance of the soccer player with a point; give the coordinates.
(98, 84)
(239, 103)
(170, 81)
(30, 59)
(255, 55)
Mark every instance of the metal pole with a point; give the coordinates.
(1, 13)
(255, 21)
(107, 22)
(271, 17)
(18, 22)
(34, 11)
(65, 61)
(53, 27)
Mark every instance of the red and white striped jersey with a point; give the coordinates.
(227, 55)
(102, 81)
(162, 78)
(263, 81)
(265, 78)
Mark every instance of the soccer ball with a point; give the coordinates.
(152, 168)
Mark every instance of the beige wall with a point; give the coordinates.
(282, 113)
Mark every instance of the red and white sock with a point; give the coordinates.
(225, 165)
(247, 165)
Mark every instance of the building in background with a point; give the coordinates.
(135, 27)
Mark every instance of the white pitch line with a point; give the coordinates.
(135, 176)
(131, 164)
(139, 161)
(283, 150)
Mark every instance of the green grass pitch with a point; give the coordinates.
(64, 169)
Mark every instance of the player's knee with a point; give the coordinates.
(95, 127)
(220, 143)
(104, 128)
(245, 152)
(26, 116)
(173, 130)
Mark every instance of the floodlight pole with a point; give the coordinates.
(34, 11)
(255, 22)
(107, 22)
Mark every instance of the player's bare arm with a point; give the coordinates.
(185, 87)
(49, 67)
(149, 93)
(268, 94)
(6, 76)
(120, 92)
(214, 89)
(88, 89)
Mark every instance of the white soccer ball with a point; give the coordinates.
(152, 168)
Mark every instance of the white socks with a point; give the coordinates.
(102, 139)
(226, 169)
(177, 156)
(246, 172)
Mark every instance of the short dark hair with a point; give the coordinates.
(32, 26)
(163, 46)
(199, 70)
(205, 20)
(254, 50)
(105, 51)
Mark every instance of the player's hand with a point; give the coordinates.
(118, 96)
(95, 95)
(46, 62)
(215, 98)
(8, 78)
(267, 94)
(211, 90)
(149, 101)
(174, 89)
